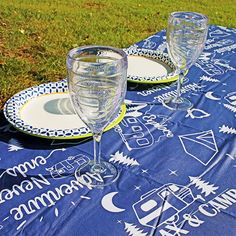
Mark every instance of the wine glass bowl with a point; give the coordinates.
(97, 81)
(186, 36)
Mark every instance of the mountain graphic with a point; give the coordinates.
(201, 146)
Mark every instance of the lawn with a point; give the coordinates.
(35, 36)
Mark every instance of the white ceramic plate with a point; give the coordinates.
(148, 66)
(46, 111)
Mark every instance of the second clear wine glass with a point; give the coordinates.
(186, 35)
(97, 80)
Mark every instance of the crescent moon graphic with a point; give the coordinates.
(108, 205)
(210, 96)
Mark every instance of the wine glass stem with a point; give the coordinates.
(97, 167)
(179, 86)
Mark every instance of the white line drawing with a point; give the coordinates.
(144, 171)
(212, 66)
(56, 212)
(134, 47)
(210, 41)
(219, 43)
(32, 164)
(85, 197)
(108, 204)
(41, 219)
(156, 88)
(204, 141)
(206, 187)
(133, 230)
(149, 44)
(229, 107)
(14, 145)
(173, 172)
(67, 167)
(209, 67)
(139, 136)
(21, 225)
(160, 122)
(227, 130)
(134, 110)
(180, 224)
(210, 96)
(185, 89)
(230, 30)
(159, 202)
(218, 34)
(231, 98)
(123, 159)
(6, 218)
(162, 47)
(209, 79)
(232, 154)
(197, 113)
(230, 48)
(224, 64)
(137, 187)
(206, 56)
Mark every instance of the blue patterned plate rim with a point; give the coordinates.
(158, 56)
(13, 106)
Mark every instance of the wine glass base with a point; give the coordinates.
(177, 104)
(97, 175)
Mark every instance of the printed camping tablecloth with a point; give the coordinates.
(177, 169)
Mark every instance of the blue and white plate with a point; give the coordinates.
(149, 66)
(46, 111)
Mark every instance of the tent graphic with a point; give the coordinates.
(201, 146)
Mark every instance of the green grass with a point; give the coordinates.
(35, 36)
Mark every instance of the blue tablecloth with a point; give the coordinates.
(177, 169)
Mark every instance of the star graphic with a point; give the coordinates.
(173, 172)
(119, 222)
(144, 171)
(137, 187)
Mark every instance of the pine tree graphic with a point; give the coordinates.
(230, 107)
(133, 230)
(121, 159)
(133, 110)
(14, 145)
(206, 187)
(228, 130)
(209, 79)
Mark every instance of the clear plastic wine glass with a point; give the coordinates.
(97, 82)
(186, 37)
